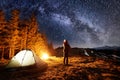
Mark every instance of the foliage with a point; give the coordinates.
(17, 34)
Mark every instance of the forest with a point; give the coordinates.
(17, 34)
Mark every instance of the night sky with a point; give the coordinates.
(84, 23)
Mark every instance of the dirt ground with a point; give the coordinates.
(79, 68)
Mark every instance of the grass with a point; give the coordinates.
(79, 68)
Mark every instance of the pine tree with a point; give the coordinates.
(23, 33)
(3, 33)
(3, 30)
(13, 24)
(31, 38)
(36, 40)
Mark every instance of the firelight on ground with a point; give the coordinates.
(45, 56)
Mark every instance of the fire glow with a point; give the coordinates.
(44, 56)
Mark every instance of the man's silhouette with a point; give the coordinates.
(66, 48)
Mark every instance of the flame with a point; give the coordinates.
(44, 56)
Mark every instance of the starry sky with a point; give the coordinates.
(84, 23)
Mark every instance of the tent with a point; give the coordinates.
(85, 52)
(25, 58)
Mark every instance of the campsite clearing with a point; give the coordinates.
(79, 68)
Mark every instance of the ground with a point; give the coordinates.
(79, 68)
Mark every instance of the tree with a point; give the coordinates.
(21, 34)
(35, 40)
(3, 28)
(13, 24)
(31, 38)
(4, 34)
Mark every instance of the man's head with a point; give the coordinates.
(65, 41)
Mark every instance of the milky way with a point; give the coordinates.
(85, 23)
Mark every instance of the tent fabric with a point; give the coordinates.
(86, 53)
(24, 58)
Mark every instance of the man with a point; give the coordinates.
(66, 48)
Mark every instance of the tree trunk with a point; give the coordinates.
(11, 52)
(2, 57)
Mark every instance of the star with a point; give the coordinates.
(85, 23)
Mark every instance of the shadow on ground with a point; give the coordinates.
(22, 73)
